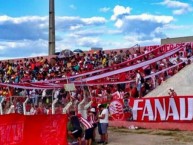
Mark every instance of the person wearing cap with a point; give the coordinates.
(172, 93)
(92, 120)
(103, 124)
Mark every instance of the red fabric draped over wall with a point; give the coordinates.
(18, 129)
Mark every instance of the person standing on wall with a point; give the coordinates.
(172, 93)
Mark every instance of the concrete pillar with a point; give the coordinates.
(51, 27)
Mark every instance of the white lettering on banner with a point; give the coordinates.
(183, 109)
(160, 109)
(136, 108)
(172, 110)
(163, 109)
(186, 114)
(190, 108)
(149, 112)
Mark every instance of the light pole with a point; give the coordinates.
(51, 27)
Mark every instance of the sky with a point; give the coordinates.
(83, 24)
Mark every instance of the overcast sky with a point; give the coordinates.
(84, 24)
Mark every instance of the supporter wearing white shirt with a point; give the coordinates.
(33, 96)
(44, 93)
(135, 55)
(153, 78)
(103, 123)
(138, 82)
(57, 92)
(104, 119)
(32, 110)
(145, 50)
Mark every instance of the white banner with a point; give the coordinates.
(131, 67)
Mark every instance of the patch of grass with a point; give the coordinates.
(125, 130)
(165, 133)
(141, 131)
(184, 137)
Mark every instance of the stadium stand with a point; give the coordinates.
(96, 75)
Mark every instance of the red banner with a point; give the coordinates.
(168, 47)
(18, 129)
(178, 109)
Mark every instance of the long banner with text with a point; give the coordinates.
(157, 109)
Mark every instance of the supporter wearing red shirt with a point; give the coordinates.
(77, 57)
(32, 63)
(94, 102)
(1, 92)
(58, 110)
(28, 107)
(68, 73)
(128, 89)
(133, 92)
(49, 110)
(39, 110)
(170, 72)
(161, 78)
(121, 78)
(42, 61)
(38, 64)
(172, 93)
(90, 66)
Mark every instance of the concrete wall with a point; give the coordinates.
(177, 40)
(182, 82)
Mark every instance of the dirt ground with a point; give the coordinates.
(123, 136)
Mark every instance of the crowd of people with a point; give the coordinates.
(32, 70)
